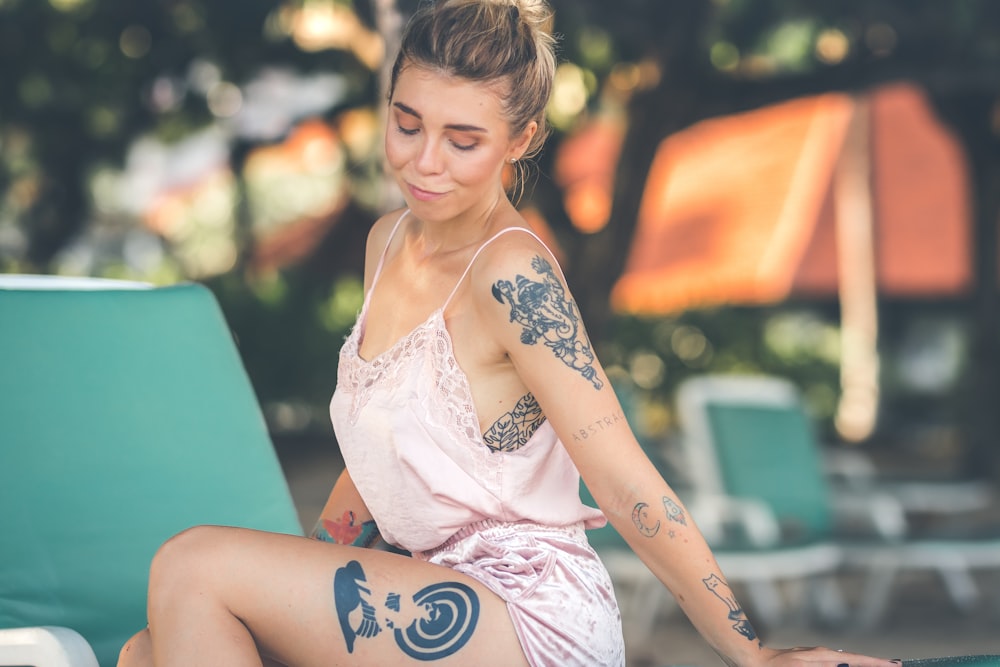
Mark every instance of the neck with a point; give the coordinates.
(448, 236)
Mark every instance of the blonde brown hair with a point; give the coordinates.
(504, 41)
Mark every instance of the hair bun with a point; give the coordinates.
(535, 13)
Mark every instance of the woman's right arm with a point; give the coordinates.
(345, 519)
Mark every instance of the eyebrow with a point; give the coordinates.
(460, 127)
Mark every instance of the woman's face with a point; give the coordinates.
(446, 143)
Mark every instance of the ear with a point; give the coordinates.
(521, 143)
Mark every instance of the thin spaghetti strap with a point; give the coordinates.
(483, 247)
(381, 259)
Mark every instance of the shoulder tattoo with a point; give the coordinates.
(546, 314)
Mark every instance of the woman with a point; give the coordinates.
(468, 401)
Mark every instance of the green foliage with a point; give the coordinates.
(83, 80)
(657, 354)
(289, 330)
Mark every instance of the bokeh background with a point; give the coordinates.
(808, 189)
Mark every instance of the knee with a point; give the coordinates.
(137, 651)
(184, 561)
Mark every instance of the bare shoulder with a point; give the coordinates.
(380, 231)
(518, 280)
(517, 257)
(378, 237)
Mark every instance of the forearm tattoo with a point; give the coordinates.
(439, 621)
(674, 511)
(548, 315)
(513, 430)
(721, 590)
(346, 530)
(640, 517)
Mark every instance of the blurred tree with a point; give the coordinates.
(710, 57)
(83, 79)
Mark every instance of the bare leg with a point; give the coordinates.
(138, 652)
(227, 596)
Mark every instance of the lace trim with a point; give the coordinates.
(449, 407)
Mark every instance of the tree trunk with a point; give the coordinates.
(671, 105)
(971, 117)
(389, 24)
(599, 258)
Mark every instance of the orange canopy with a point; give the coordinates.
(740, 209)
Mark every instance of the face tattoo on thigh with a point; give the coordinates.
(439, 621)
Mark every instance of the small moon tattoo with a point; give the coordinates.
(638, 514)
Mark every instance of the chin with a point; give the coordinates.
(433, 211)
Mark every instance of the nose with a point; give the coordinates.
(429, 158)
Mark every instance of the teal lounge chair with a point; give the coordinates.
(749, 440)
(956, 661)
(126, 417)
(754, 559)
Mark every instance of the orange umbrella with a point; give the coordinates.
(746, 208)
(828, 195)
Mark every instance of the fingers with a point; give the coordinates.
(825, 657)
(845, 659)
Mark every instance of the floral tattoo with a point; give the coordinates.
(547, 315)
(513, 430)
(346, 530)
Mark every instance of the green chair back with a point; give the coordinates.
(769, 453)
(126, 416)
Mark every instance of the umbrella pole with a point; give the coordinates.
(859, 365)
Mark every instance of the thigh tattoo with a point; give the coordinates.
(439, 621)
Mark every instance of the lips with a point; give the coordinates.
(423, 195)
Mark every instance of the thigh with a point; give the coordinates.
(138, 652)
(314, 603)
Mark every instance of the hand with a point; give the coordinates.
(822, 657)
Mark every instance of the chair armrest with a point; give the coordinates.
(855, 470)
(45, 646)
(943, 497)
(877, 512)
(849, 468)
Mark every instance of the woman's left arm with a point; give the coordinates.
(532, 315)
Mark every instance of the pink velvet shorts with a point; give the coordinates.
(558, 592)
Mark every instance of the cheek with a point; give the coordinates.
(395, 152)
(476, 170)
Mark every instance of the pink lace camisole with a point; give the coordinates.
(409, 435)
